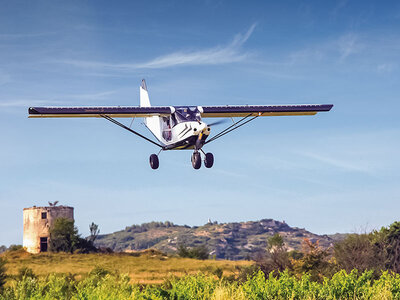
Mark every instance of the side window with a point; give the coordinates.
(173, 120)
(166, 133)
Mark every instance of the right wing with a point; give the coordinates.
(263, 110)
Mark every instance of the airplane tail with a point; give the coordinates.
(144, 95)
(152, 123)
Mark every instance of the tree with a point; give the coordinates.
(3, 275)
(276, 257)
(63, 236)
(387, 240)
(314, 261)
(357, 251)
(94, 232)
(199, 252)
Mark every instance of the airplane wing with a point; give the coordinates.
(98, 112)
(263, 110)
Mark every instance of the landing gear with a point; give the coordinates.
(196, 160)
(208, 160)
(154, 163)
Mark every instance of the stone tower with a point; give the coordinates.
(37, 222)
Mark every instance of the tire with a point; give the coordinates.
(154, 163)
(209, 160)
(196, 160)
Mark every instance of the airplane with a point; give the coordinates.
(180, 127)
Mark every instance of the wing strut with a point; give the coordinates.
(127, 128)
(232, 127)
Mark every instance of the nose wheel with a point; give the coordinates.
(196, 160)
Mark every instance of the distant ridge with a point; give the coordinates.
(226, 240)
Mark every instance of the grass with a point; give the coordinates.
(147, 267)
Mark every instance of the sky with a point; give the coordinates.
(333, 172)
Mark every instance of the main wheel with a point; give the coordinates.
(209, 160)
(154, 163)
(196, 160)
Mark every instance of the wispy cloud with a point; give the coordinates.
(24, 35)
(337, 49)
(348, 45)
(341, 164)
(61, 100)
(27, 103)
(213, 56)
(386, 68)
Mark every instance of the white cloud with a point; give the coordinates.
(213, 56)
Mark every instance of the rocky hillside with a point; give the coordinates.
(229, 240)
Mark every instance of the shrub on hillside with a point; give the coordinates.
(14, 248)
(199, 252)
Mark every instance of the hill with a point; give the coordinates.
(232, 241)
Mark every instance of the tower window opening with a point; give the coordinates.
(44, 215)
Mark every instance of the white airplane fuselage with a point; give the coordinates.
(178, 135)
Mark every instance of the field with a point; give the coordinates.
(147, 267)
(152, 275)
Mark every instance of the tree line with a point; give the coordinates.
(376, 251)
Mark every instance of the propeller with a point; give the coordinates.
(218, 122)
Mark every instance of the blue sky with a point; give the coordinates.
(334, 172)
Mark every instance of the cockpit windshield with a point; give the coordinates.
(187, 114)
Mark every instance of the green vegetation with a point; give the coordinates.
(3, 275)
(105, 285)
(64, 237)
(200, 252)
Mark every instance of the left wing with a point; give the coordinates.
(97, 112)
(263, 110)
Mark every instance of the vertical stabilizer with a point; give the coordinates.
(152, 123)
(144, 95)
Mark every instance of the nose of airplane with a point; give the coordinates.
(200, 127)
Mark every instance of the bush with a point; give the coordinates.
(25, 272)
(63, 236)
(200, 252)
(3, 275)
(357, 251)
(14, 248)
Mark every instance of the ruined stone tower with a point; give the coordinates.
(37, 222)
